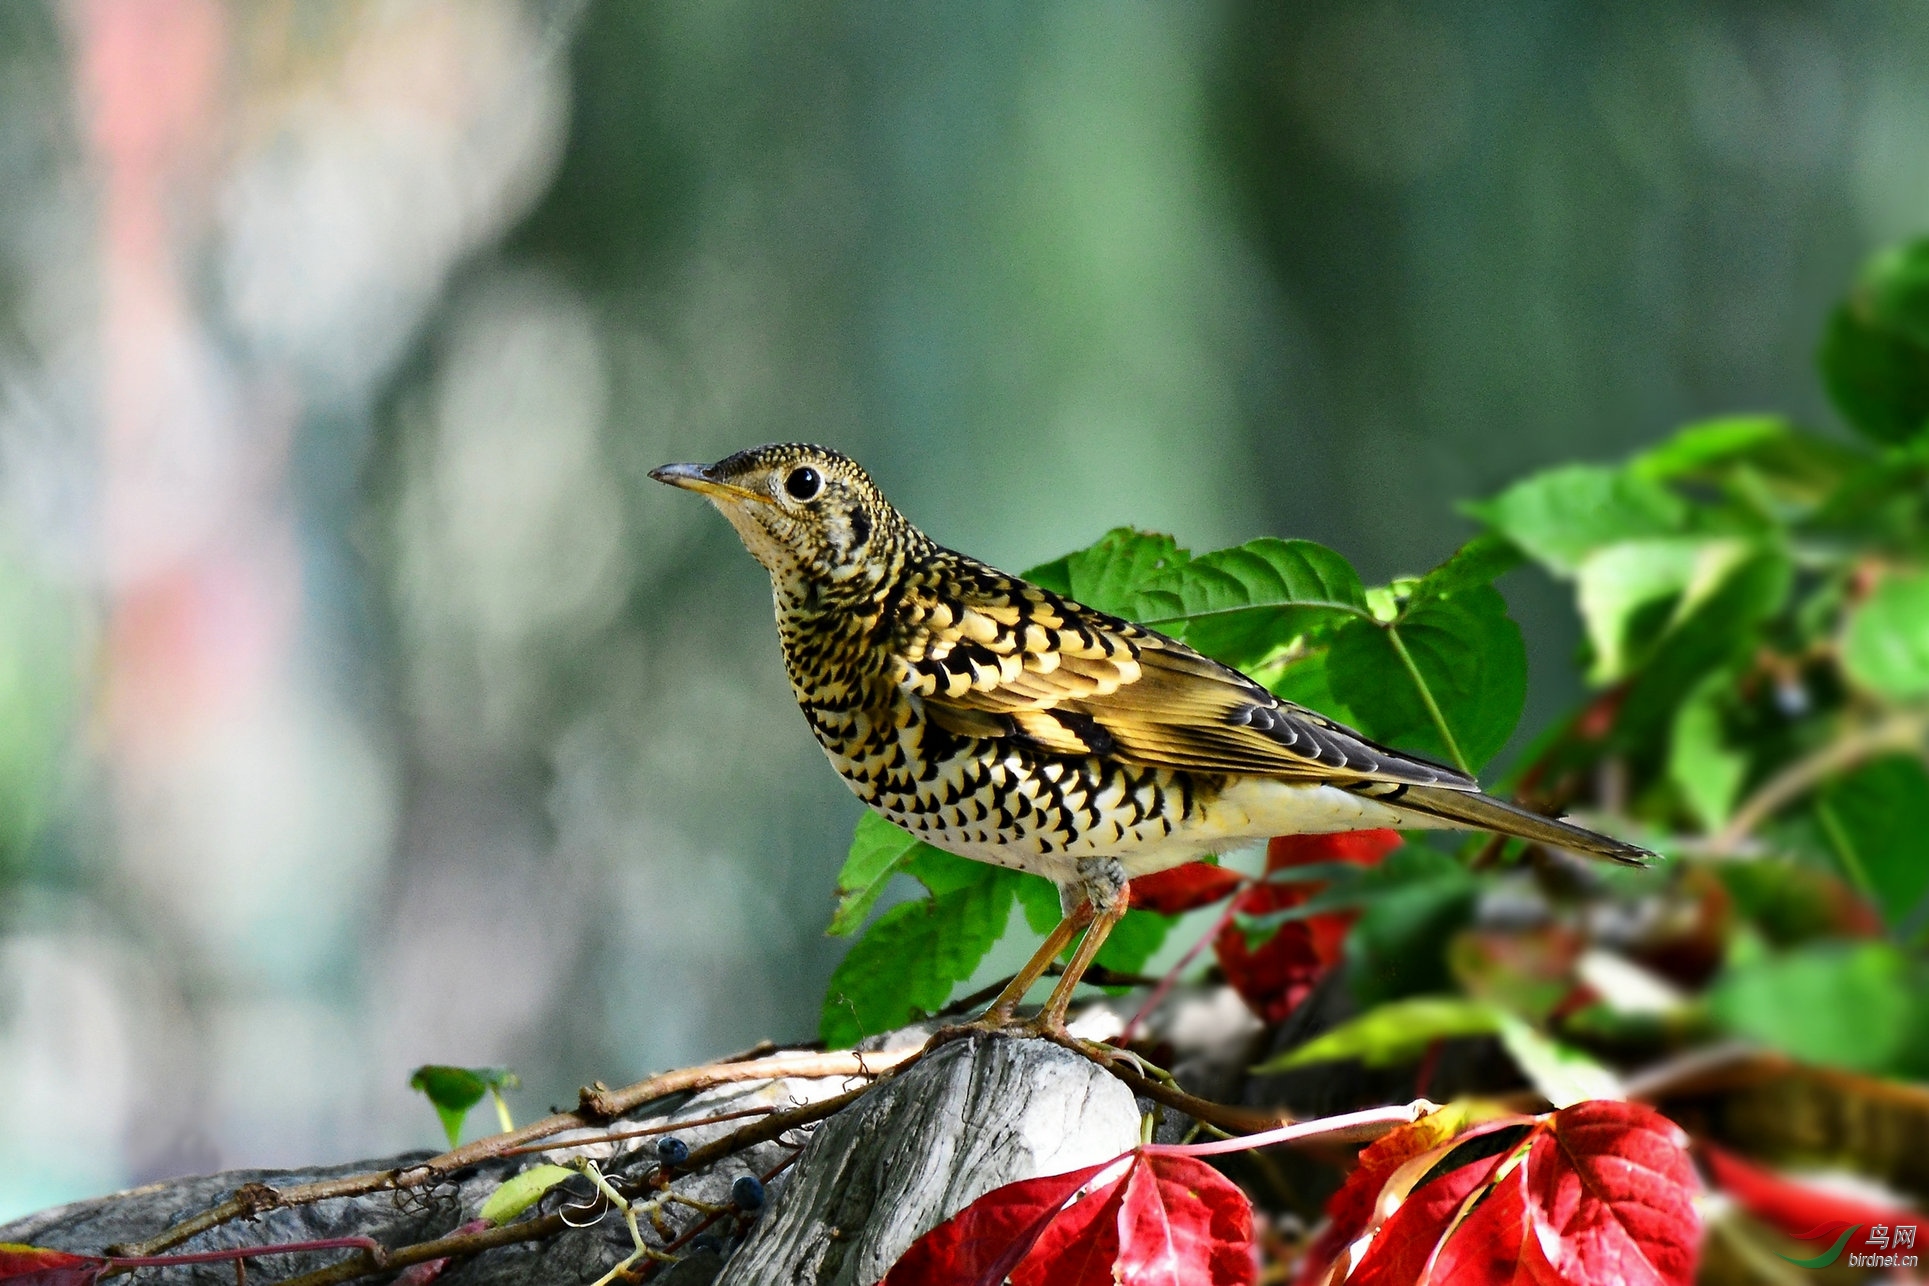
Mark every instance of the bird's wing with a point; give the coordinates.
(994, 656)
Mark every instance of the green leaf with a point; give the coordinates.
(1708, 771)
(454, 1090)
(1758, 456)
(1562, 515)
(1878, 378)
(1563, 1075)
(1109, 574)
(1478, 562)
(1830, 1003)
(879, 849)
(1886, 646)
(1696, 447)
(1893, 290)
(1877, 821)
(1393, 1033)
(1400, 943)
(1618, 586)
(1448, 679)
(1134, 940)
(1038, 897)
(1708, 629)
(1240, 605)
(521, 1191)
(941, 872)
(911, 957)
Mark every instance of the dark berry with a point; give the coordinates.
(708, 1243)
(671, 1150)
(747, 1193)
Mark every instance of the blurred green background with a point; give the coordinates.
(361, 702)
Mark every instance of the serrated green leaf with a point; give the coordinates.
(1885, 648)
(1707, 770)
(1108, 575)
(1447, 680)
(1877, 821)
(454, 1090)
(1240, 605)
(1393, 1033)
(911, 957)
(1563, 1075)
(879, 849)
(1478, 562)
(521, 1191)
(1562, 515)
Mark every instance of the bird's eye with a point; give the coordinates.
(803, 483)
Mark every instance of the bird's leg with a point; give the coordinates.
(1001, 1010)
(1106, 893)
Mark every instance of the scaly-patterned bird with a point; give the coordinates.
(1008, 724)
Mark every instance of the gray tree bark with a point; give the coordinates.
(974, 1115)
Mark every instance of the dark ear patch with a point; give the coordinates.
(860, 527)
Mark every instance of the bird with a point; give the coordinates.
(1006, 723)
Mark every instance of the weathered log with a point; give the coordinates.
(972, 1115)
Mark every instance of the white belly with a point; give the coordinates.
(1247, 812)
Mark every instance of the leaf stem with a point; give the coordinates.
(1348, 1127)
(1426, 697)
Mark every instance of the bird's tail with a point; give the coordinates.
(1484, 812)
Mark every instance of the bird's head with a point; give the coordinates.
(810, 515)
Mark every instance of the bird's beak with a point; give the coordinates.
(701, 479)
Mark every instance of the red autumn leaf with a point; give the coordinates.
(1601, 1192)
(1276, 976)
(1794, 1209)
(1183, 1224)
(1081, 1245)
(982, 1244)
(1611, 1191)
(1350, 1210)
(37, 1266)
(1183, 888)
(1362, 848)
(1162, 1220)
(1404, 1244)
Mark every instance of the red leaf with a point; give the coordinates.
(37, 1266)
(1183, 888)
(1161, 1221)
(1275, 978)
(1183, 1224)
(1611, 1190)
(1491, 1245)
(1404, 1244)
(1081, 1245)
(1363, 848)
(1796, 1210)
(981, 1244)
(1351, 1209)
